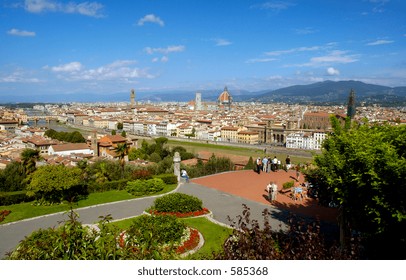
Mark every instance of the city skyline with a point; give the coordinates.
(62, 47)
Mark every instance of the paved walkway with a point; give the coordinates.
(223, 194)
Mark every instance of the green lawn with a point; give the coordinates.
(196, 147)
(28, 210)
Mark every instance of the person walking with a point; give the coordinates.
(184, 175)
(264, 164)
(288, 163)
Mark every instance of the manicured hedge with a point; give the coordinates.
(108, 186)
(168, 179)
(8, 198)
(145, 187)
(160, 229)
(177, 202)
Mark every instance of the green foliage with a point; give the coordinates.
(183, 153)
(145, 187)
(160, 230)
(288, 185)
(12, 178)
(105, 170)
(29, 158)
(72, 137)
(363, 169)
(55, 183)
(303, 240)
(73, 241)
(250, 164)
(9, 198)
(107, 186)
(178, 203)
(168, 179)
(154, 157)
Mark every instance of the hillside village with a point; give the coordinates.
(287, 125)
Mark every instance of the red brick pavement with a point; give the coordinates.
(251, 185)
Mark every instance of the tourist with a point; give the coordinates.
(272, 190)
(288, 163)
(184, 175)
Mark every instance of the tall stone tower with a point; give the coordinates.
(351, 105)
(198, 101)
(132, 97)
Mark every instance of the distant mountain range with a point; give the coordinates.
(327, 92)
(335, 92)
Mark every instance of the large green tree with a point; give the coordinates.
(55, 183)
(121, 152)
(363, 169)
(29, 158)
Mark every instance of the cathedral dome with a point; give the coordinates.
(225, 97)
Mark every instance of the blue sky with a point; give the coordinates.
(64, 47)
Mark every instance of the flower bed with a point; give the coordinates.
(198, 213)
(190, 243)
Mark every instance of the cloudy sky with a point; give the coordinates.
(55, 46)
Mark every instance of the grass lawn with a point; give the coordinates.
(214, 235)
(196, 147)
(28, 210)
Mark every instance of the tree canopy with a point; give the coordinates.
(55, 183)
(362, 168)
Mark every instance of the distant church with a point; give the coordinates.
(225, 100)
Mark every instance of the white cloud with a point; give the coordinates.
(69, 67)
(274, 5)
(92, 9)
(300, 49)
(332, 71)
(167, 50)
(150, 18)
(120, 70)
(256, 60)
(164, 59)
(22, 33)
(305, 31)
(18, 77)
(380, 42)
(221, 42)
(336, 56)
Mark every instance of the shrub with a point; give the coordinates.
(73, 241)
(288, 185)
(149, 230)
(145, 187)
(108, 186)
(177, 202)
(168, 179)
(303, 240)
(8, 198)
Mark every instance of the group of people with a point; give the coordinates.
(266, 164)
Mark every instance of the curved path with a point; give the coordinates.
(223, 194)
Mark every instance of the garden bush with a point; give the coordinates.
(9, 198)
(107, 186)
(288, 185)
(168, 179)
(74, 241)
(145, 187)
(149, 230)
(177, 202)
